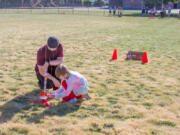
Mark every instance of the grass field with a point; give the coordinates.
(127, 98)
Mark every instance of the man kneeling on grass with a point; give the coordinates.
(48, 57)
(77, 85)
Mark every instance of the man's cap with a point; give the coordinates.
(53, 42)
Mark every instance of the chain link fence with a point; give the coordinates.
(84, 7)
(51, 3)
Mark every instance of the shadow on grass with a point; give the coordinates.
(16, 105)
(21, 103)
(61, 109)
(149, 16)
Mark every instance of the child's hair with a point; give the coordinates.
(61, 70)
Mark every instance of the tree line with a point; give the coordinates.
(54, 3)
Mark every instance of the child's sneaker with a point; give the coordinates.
(73, 101)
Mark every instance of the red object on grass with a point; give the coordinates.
(71, 95)
(43, 94)
(144, 58)
(44, 101)
(114, 56)
(67, 98)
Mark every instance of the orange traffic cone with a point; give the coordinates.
(114, 56)
(144, 58)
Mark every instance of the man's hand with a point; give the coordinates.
(56, 62)
(43, 69)
(46, 64)
(56, 83)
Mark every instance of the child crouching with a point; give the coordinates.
(75, 84)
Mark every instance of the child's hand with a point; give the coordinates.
(60, 90)
(60, 95)
(51, 96)
(56, 83)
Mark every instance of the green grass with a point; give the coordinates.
(127, 98)
(164, 123)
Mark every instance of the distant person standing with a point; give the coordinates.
(120, 12)
(169, 11)
(114, 11)
(163, 12)
(143, 11)
(154, 11)
(147, 10)
(110, 9)
(151, 12)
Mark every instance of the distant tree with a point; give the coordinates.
(99, 3)
(152, 3)
(116, 3)
(87, 3)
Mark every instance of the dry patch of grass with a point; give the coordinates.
(127, 98)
